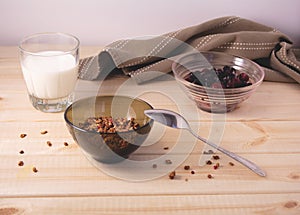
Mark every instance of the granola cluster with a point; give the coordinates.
(109, 125)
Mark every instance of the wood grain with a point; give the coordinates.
(264, 129)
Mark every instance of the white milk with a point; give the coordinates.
(50, 77)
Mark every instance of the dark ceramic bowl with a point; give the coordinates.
(106, 147)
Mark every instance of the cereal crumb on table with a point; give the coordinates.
(210, 176)
(49, 143)
(21, 163)
(186, 167)
(34, 169)
(172, 175)
(44, 132)
(23, 135)
(231, 164)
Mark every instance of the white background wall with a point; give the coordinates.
(98, 22)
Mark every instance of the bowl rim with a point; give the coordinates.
(225, 90)
(105, 133)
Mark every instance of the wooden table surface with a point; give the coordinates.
(264, 129)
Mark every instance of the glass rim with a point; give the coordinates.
(76, 46)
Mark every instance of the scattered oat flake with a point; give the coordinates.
(231, 164)
(34, 169)
(21, 163)
(23, 135)
(172, 175)
(66, 144)
(210, 176)
(209, 162)
(49, 143)
(186, 167)
(216, 157)
(44, 132)
(208, 152)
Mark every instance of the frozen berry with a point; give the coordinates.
(237, 82)
(243, 77)
(227, 77)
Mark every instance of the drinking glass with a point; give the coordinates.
(49, 63)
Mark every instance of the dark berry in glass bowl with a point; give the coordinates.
(227, 77)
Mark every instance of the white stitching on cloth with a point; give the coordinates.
(205, 41)
(285, 58)
(137, 72)
(147, 56)
(83, 67)
(118, 44)
(250, 44)
(228, 21)
(122, 43)
(245, 48)
(155, 50)
(125, 42)
(201, 41)
(114, 54)
(207, 38)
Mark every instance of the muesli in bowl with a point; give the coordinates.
(108, 128)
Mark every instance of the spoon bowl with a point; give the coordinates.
(174, 120)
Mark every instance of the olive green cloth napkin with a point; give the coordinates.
(137, 57)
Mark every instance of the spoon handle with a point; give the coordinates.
(234, 156)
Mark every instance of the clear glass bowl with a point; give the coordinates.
(216, 100)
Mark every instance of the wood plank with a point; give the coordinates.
(249, 137)
(176, 204)
(73, 173)
(255, 108)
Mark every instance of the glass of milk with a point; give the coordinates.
(49, 63)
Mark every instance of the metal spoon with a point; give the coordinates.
(174, 120)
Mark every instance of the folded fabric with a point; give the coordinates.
(137, 57)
